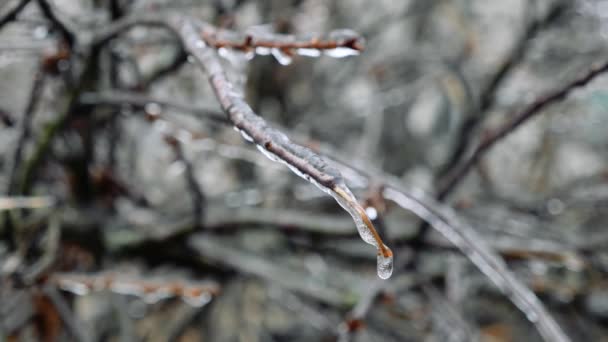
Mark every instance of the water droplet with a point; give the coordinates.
(41, 32)
(200, 44)
(191, 59)
(153, 109)
(555, 206)
(308, 52)
(281, 57)
(385, 265)
(371, 212)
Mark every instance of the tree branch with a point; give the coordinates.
(493, 137)
(12, 13)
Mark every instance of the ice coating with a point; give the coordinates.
(384, 265)
(308, 52)
(341, 52)
(345, 198)
(479, 253)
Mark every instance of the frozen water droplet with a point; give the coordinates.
(555, 206)
(385, 265)
(197, 300)
(371, 212)
(341, 52)
(281, 57)
(200, 44)
(191, 59)
(153, 109)
(74, 287)
(308, 52)
(41, 32)
(262, 51)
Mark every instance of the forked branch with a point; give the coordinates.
(490, 139)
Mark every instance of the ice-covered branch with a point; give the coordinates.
(338, 43)
(150, 290)
(277, 146)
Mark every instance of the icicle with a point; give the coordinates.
(341, 52)
(385, 265)
(281, 57)
(346, 199)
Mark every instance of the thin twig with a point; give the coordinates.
(488, 93)
(25, 132)
(48, 12)
(198, 197)
(493, 137)
(180, 58)
(120, 98)
(12, 13)
(71, 321)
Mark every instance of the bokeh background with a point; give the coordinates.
(112, 250)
